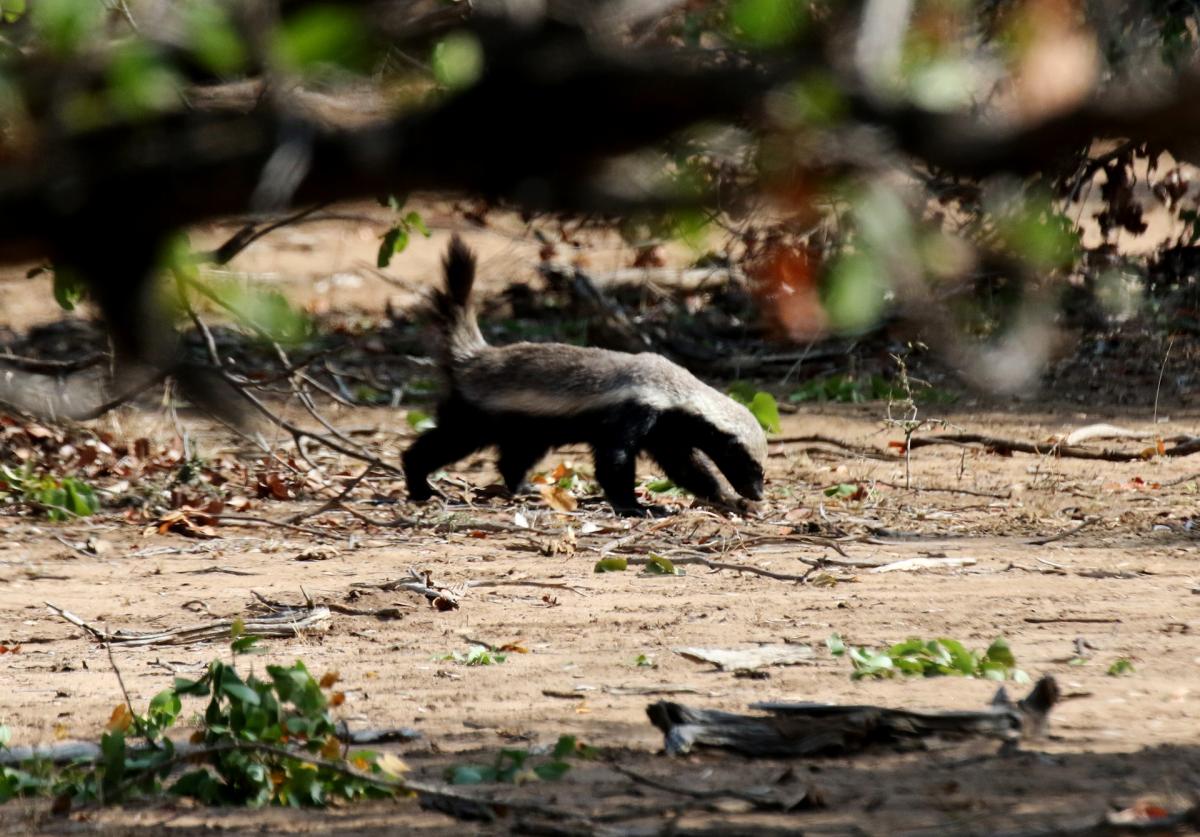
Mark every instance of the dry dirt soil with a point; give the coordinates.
(1119, 582)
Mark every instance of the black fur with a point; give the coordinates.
(682, 441)
(616, 435)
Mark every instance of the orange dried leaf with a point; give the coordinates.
(329, 678)
(332, 748)
(558, 498)
(120, 719)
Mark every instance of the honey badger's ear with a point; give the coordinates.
(459, 265)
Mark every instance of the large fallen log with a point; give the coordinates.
(816, 729)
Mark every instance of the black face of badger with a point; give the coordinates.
(530, 397)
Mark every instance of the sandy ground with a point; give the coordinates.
(1125, 584)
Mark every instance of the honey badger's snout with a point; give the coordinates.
(752, 491)
(527, 398)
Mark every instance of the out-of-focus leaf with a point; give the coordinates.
(457, 60)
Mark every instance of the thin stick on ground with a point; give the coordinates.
(120, 680)
(333, 502)
(265, 521)
(1065, 534)
(285, 624)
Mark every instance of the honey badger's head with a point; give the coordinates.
(734, 441)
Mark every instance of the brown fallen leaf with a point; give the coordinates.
(558, 498)
(186, 521)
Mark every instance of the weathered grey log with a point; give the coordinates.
(812, 729)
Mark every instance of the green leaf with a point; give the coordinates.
(140, 82)
(244, 643)
(64, 25)
(742, 392)
(565, 746)
(165, 707)
(79, 498)
(12, 10)
(658, 565)
(854, 292)
(1001, 653)
(420, 421)
(552, 770)
(184, 686)
(611, 565)
(835, 644)
(660, 486)
(841, 490)
(414, 221)
(394, 241)
(320, 35)
(1120, 667)
(457, 60)
(199, 785)
(765, 409)
(768, 22)
(5, 736)
(214, 39)
(68, 289)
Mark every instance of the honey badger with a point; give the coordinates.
(527, 398)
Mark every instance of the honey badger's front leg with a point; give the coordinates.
(435, 449)
(517, 457)
(615, 467)
(685, 467)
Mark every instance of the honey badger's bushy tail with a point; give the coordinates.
(459, 332)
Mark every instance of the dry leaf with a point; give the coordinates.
(332, 748)
(188, 521)
(558, 498)
(391, 764)
(120, 719)
(329, 678)
(318, 553)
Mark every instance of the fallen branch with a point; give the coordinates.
(812, 563)
(760, 798)
(992, 444)
(857, 450)
(945, 490)
(264, 521)
(807, 729)
(284, 624)
(382, 613)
